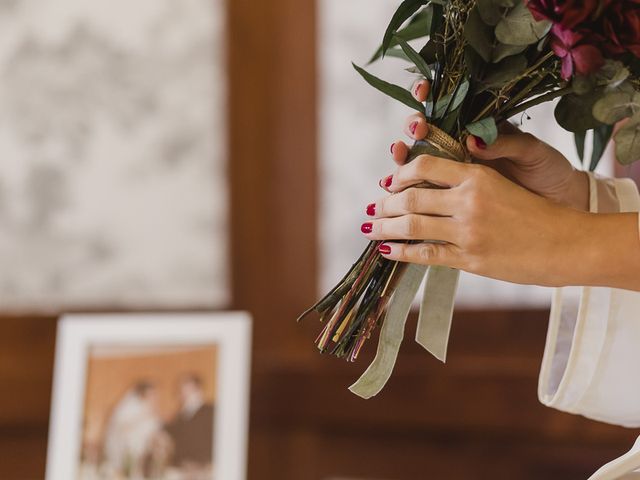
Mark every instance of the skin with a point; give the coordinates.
(519, 214)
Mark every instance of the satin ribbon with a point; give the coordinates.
(434, 324)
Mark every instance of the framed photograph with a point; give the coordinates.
(147, 396)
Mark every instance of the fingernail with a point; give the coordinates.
(417, 90)
(388, 181)
(480, 143)
(371, 209)
(393, 145)
(366, 227)
(384, 249)
(413, 127)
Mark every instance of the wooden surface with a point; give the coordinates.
(475, 418)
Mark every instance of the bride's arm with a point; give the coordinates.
(488, 225)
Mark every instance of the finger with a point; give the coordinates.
(422, 253)
(424, 201)
(410, 227)
(519, 147)
(420, 90)
(416, 126)
(439, 171)
(400, 152)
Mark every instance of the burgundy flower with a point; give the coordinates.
(568, 13)
(577, 51)
(621, 25)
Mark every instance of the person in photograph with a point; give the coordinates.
(131, 431)
(192, 428)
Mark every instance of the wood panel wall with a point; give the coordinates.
(475, 418)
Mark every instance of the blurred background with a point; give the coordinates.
(187, 155)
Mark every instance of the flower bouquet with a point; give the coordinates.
(487, 61)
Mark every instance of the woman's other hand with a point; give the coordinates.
(518, 156)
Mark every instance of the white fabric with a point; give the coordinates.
(593, 345)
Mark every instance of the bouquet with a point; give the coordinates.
(487, 61)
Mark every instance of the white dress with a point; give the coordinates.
(591, 364)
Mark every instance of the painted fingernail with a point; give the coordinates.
(413, 127)
(384, 249)
(371, 209)
(417, 89)
(366, 227)
(480, 143)
(393, 146)
(388, 181)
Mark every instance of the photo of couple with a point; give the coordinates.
(160, 425)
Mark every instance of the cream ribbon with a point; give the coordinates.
(436, 308)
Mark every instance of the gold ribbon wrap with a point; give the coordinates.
(436, 308)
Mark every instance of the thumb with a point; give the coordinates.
(521, 148)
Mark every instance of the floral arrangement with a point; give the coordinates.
(487, 61)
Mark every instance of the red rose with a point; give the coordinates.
(568, 13)
(577, 51)
(621, 25)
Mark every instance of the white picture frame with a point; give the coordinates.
(77, 334)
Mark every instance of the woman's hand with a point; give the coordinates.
(483, 223)
(518, 156)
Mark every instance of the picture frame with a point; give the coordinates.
(82, 341)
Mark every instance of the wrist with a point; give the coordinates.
(607, 254)
(577, 193)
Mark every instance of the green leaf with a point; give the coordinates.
(417, 28)
(601, 137)
(415, 57)
(505, 71)
(479, 35)
(574, 112)
(394, 91)
(628, 141)
(518, 27)
(486, 129)
(490, 11)
(615, 106)
(580, 139)
(447, 103)
(502, 51)
(402, 14)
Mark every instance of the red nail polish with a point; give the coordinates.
(413, 127)
(388, 181)
(393, 145)
(417, 90)
(366, 227)
(384, 249)
(371, 209)
(480, 143)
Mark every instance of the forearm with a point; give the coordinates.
(606, 252)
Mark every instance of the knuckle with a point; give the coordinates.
(410, 200)
(410, 226)
(428, 252)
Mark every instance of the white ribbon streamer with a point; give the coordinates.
(436, 310)
(376, 376)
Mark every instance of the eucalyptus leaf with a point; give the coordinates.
(615, 106)
(415, 57)
(601, 138)
(486, 129)
(502, 51)
(406, 9)
(518, 27)
(501, 73)
(394, 91)
(628, 141)
(490, 11)
(451, 102)
(479, 35)
(574, 112)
